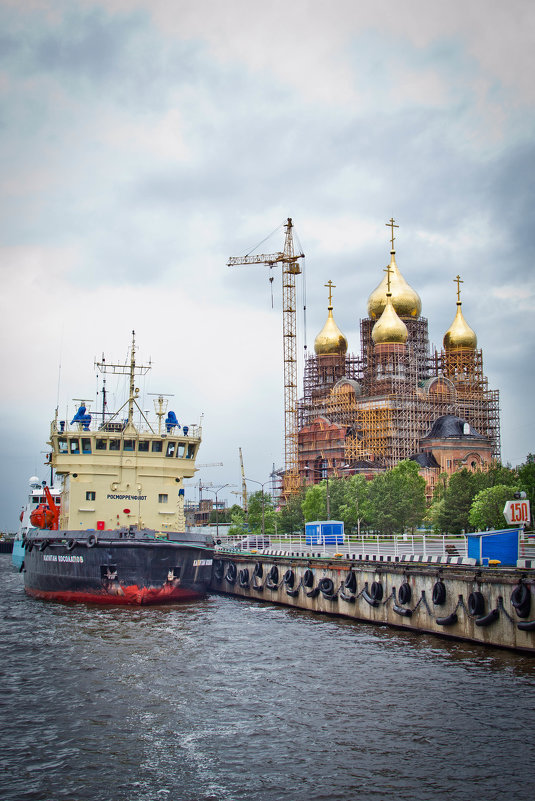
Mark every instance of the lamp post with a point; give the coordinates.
(262, 485)
(216, 509)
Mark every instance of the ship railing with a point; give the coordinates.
(118, 427)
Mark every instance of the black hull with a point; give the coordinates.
(81, 567)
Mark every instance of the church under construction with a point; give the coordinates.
(399, 399)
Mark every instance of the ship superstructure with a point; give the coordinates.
(119, 469)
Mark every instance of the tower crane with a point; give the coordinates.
(290, 268)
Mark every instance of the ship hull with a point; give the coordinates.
(75, 567)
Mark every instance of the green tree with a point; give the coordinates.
(487, 507)
(238, 522)
(354, 510)
(496, 475)
(397, 499)
(454, 517)
(289, 517)
(255, 502)
(314, 505)
(526, 480)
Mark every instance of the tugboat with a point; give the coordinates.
(118, 535)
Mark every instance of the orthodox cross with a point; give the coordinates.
(388, 270)
(392, 225)
(458, 281)
(330, 286)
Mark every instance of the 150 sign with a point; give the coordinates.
(517, 512)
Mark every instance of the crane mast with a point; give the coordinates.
(290, 268)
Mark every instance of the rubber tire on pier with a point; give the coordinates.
(403, 611)
(367, 596)
(521, 599)
(439, 594)
(405, 594)
(308, 578)
(376, 591)
(492, 617)
(351, 582)
(450, 620)
(231, 573)
(258, 571)
(272, 581)
(476, 604)
(526, 625)
(289, 578)
(243, 578)
(219, 569)
(326, 587)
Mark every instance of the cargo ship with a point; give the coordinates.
(118, 535)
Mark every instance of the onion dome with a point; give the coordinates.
(330, 340)
(459, 334)
(389, 328)
(405, 299)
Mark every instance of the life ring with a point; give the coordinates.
(405, 594)
(326, 587)
(308, 578)
(92, 541)
(439, 593)
(376, 591)
(243, 578)
(258, 571)
(289, 578)
(43, 545)
(231, 573)
(521, 599)
(476, 604)
(71, 544)
(351, 581)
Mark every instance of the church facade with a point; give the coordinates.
(398, 399)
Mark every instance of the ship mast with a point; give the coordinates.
(131, 370)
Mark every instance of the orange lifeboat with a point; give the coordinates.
(46, 515)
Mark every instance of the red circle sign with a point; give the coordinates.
(126, 511)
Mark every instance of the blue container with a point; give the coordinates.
(324, 532)
(501, 545)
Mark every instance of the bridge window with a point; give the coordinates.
(90, 496)
(115, 444)
(62, 446)
(157, 446)
(191, 451)
(163, 497)
(86, 445)
(101, 444)
(129, 445)
(180, 450)
(74, 446)
(143, 446)
(170, 449)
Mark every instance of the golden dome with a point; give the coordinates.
(330, 340)
(459, 334)
(389, 328)
(405, 299)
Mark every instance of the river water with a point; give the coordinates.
(226, 700)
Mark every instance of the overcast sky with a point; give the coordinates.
(142, 144)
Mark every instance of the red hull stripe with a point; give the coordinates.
(132, 595)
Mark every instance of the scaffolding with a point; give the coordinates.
(387, 400)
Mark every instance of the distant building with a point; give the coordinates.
(398, 399)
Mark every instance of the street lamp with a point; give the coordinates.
(262, 485)
(216, 509)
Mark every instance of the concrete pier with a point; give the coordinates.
(490, 606)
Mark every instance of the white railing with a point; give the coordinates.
(398, 544)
